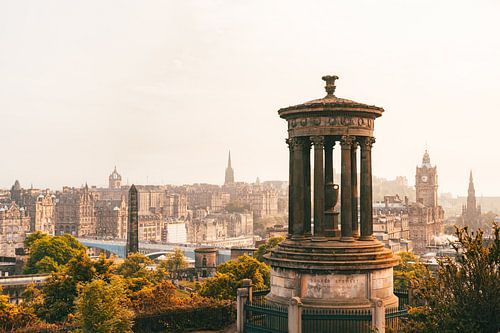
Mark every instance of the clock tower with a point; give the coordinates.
(426, 183)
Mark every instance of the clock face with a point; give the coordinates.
(424, 178)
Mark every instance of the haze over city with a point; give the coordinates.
(163, 90)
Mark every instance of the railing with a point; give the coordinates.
(336, 320)
(265, 318)
(394, 319)
(403, 296)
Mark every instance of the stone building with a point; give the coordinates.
(471, 212)
(75, 212)
(391, 223)
(150, 227)
(205, 261)
(175, 205)
(174, 231)
(219, 227)
(426, 216)
(45, 213)
(111, 218)
(201, 197)
(14, 225)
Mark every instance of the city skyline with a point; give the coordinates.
(163, 90)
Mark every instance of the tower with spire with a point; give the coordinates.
(426, 216)
(471, 212)
(115, 180)
(426, 182)
(229, 178)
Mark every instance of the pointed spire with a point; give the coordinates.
(426, 160)
(229, 160)
(471, 183)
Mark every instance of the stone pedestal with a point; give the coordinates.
(333, 274)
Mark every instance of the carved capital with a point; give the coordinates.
(298, 143)
(347, 141)
(367, 143)
(318, 141)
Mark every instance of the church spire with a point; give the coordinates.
(229, 177)
(471, 191)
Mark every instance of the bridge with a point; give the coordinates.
(117, 247)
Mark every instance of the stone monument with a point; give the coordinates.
(133, 221)
(322, 263)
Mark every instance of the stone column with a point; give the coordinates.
(298, 189)
(329, 189)
(306, 165)
(295, 315)
(354, 186)
(241, 300)
(319, 188)
(366, 189)
(378, 315)
(346, 190)
(291, 202)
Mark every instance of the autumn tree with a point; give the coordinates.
(60, 290)
(266, 248)
(464, 296)
(409, 269)
(229, 277)
(50, 253)
(174, 262)
(103, 307)
(12, 316)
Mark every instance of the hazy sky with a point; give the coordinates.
(162, 89)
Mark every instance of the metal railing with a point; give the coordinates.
(265, 318)
(336, 320)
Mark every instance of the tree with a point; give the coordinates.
(32, 238)
(50, 253)
(409, 269)
(13, 316)
(464, 296)
(230, 274)
(61, 289)
(174, 262)
(103, 307)
(266, 248)
(135, 266)
(160, 297)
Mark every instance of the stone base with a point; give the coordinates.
(332, 274)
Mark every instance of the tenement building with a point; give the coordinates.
(45, 213)
(471, 212)
(14, 225)
(391, 223)
(426, 216)
(111, 218)
(75, 212)
(321, 264)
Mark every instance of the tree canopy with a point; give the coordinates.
(229, 276)
(50, 253)
(265, 248)
(464, 295)
(103, 307)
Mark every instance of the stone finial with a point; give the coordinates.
(330, 84)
